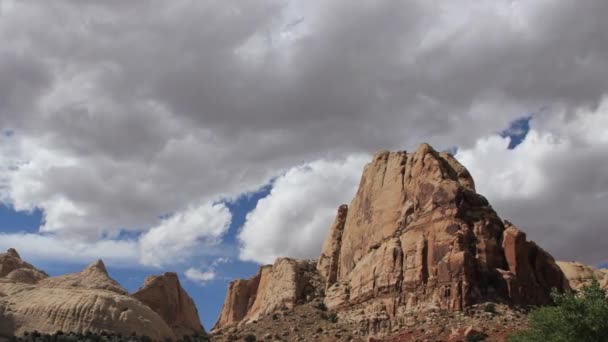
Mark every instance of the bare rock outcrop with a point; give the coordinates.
(86, 301)
(283, 285)
(579, 275)
(94, 276)
(417, 236)
(165, 295)
(14, 268)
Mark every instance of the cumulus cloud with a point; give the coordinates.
(124, 111)
(184, 234)
(208, 274)
(50, 248)
(293, 219)
(554, 185)
(200, 276)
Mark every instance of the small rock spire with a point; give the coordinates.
(13, 252)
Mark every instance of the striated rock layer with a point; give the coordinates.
(418, 236)
(86, 301)
(165, 295)
(283, 285)
(14, 268)
(579, 275)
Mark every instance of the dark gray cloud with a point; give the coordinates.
(128, 110)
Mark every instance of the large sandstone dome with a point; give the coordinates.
(86, 301)
(417, 236)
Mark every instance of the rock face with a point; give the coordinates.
(418, 236)
(94, 276)
(13, 268)
(579, 275)
(86, 301)
(165, 295)
(283, 285)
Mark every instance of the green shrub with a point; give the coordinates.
(250, 338)
(581, 317)
(490, 307)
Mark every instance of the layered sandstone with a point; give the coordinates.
(283, 285)
(86, 301)
(94, 276)
(579, 275)
(417, 236)
(14, 268)
(165, 295)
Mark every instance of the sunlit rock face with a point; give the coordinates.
(417, 236)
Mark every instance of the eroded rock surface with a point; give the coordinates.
(86, 301)
(283, 285)
(14, 268)
(417, 236)
(94, 276)
(165, 295)
(579, 275)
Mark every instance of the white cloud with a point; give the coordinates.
(50, 248)
(200, 276)
(185, 234)
(294, 218)
(114, 128)
(554, 184)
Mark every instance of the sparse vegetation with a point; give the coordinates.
(581, 317)
(490, 307)
(250, 338)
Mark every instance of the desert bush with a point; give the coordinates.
(581, 317)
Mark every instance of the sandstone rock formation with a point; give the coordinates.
(579, 275)
(86, 301)
(13, 268)
(283, 285)
(94, 276)
(417, 236)
(165, 295)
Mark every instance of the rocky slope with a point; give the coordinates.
(86, 301)
(579, 274)
(283, 285)
(165, 295)
(416, 238)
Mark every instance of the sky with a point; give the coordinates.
(209, 137)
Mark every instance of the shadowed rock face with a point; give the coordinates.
(165, 295)
(418, 236)
(283, 285)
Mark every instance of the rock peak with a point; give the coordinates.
(165, 295)
(97, 266)
(13, 252)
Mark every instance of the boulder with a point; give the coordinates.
(165, 295)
